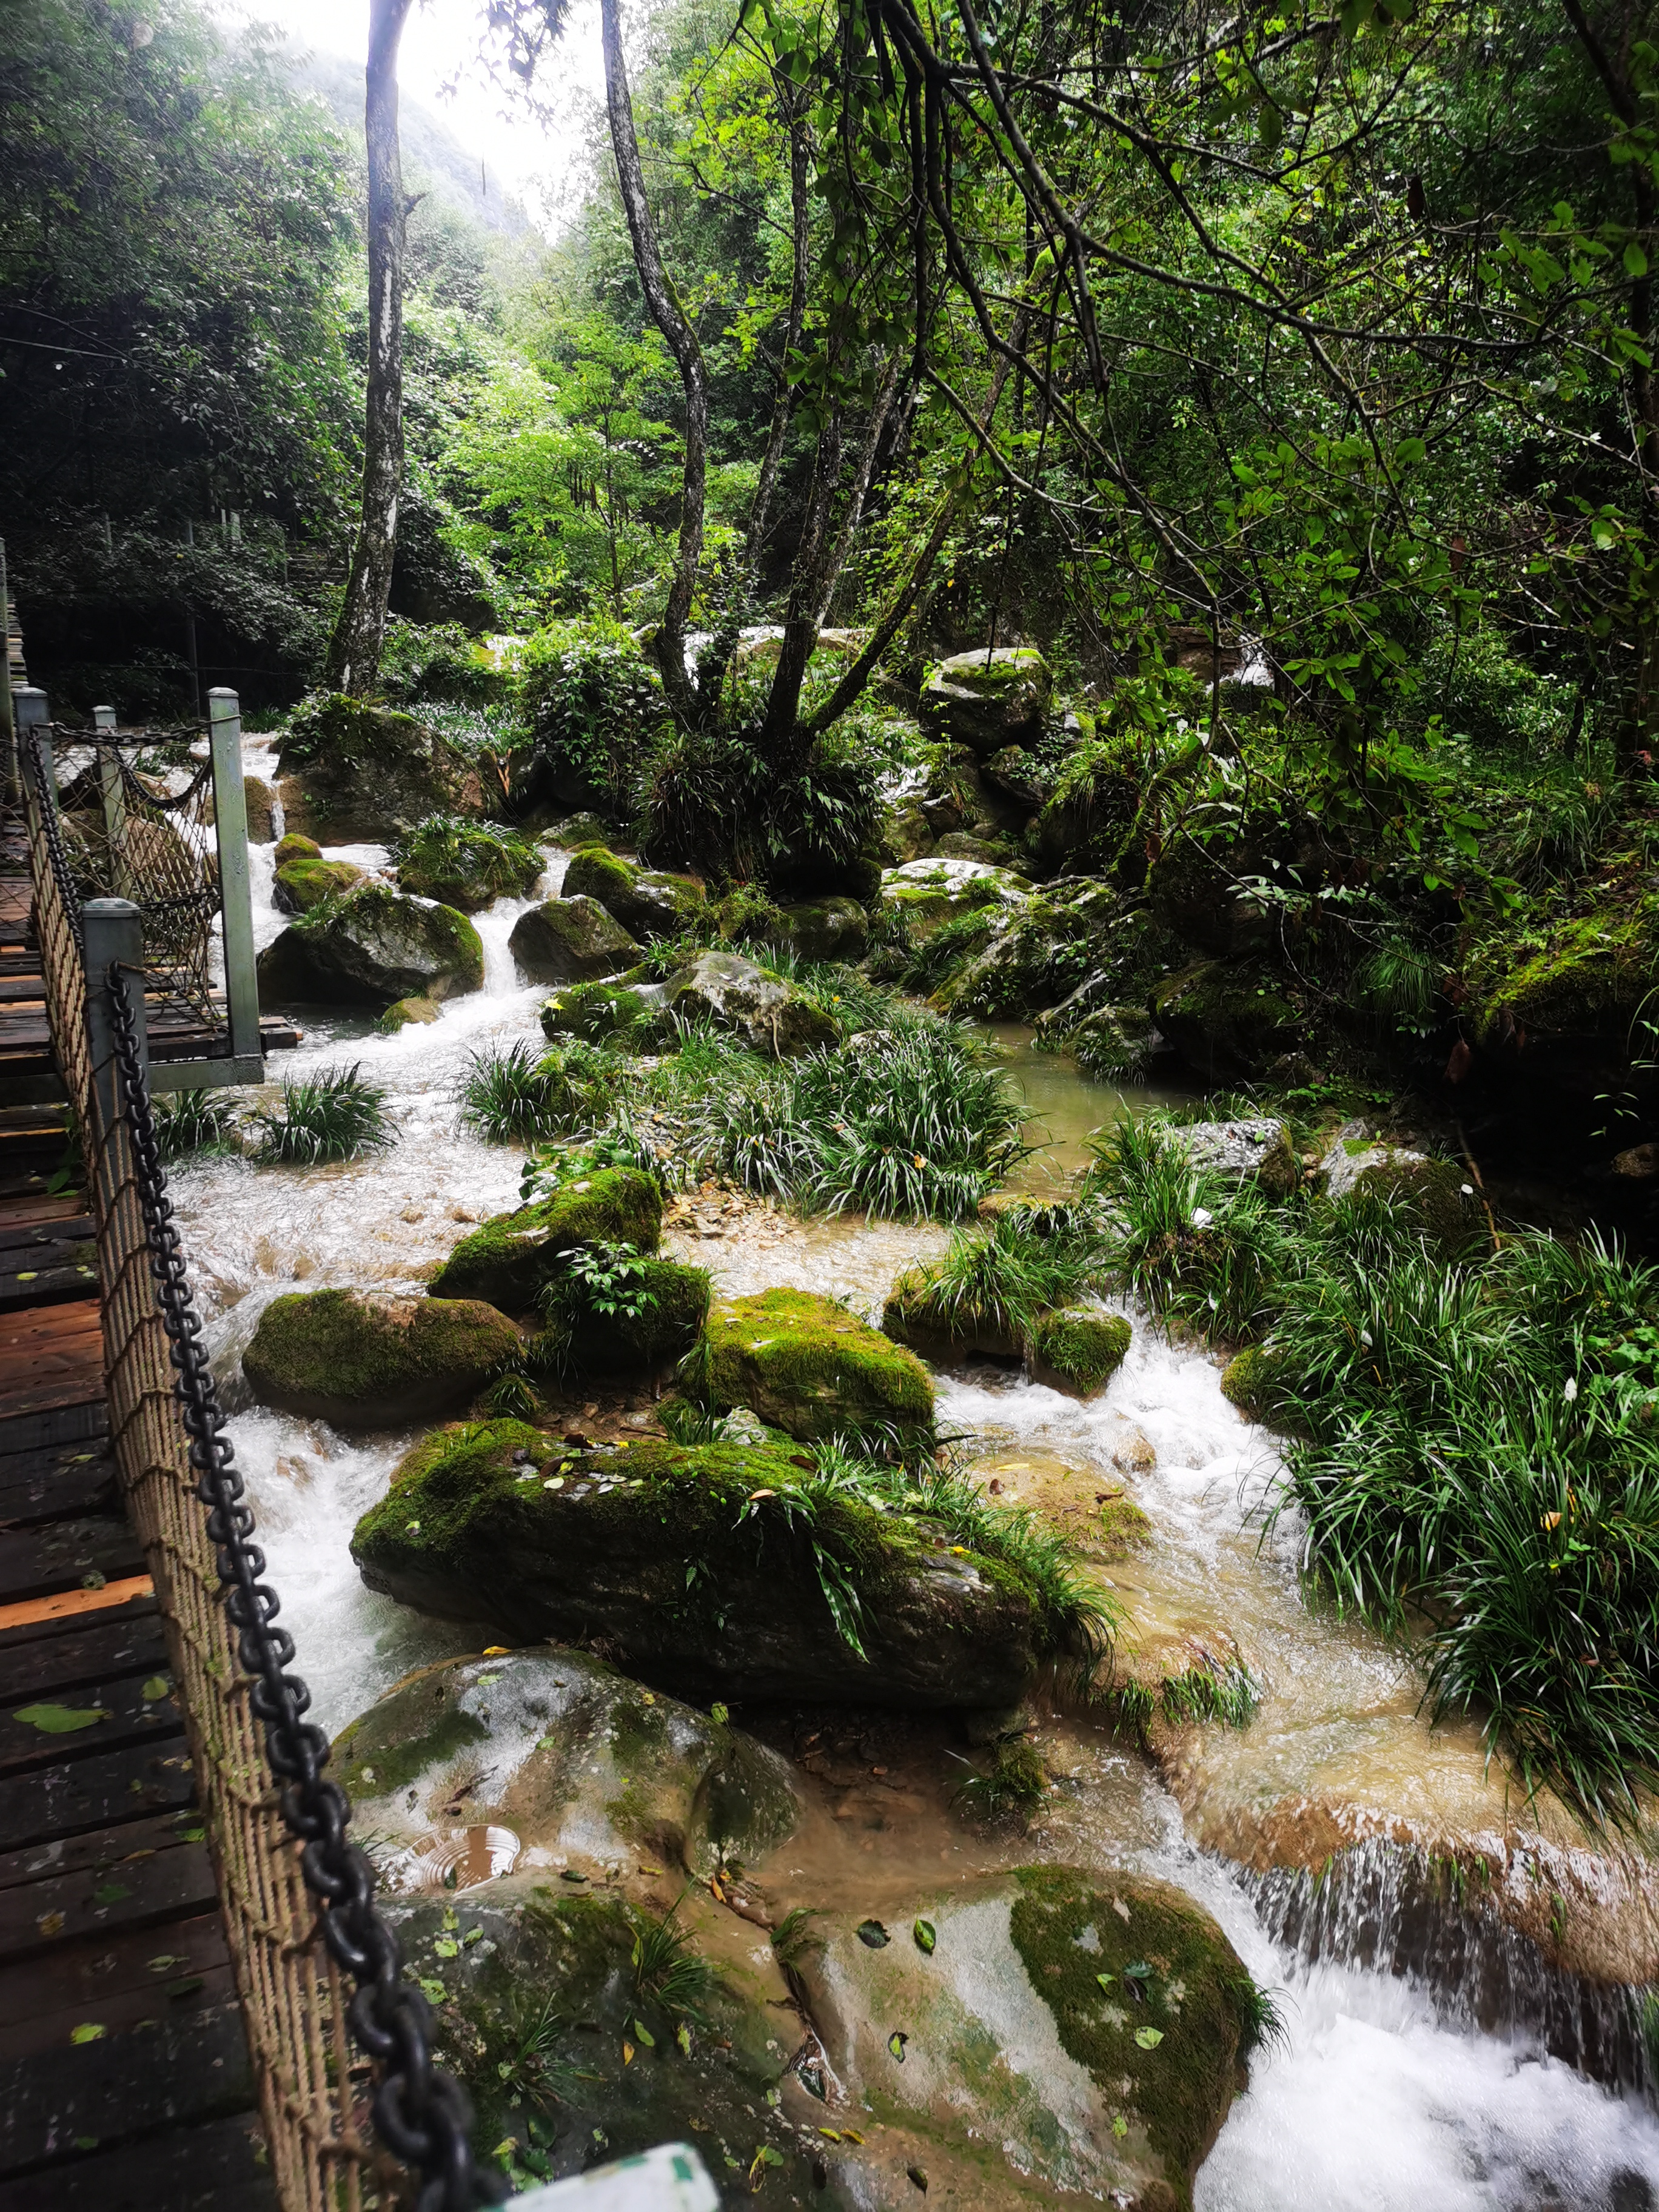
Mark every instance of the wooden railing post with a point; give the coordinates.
(235, 892)
(113, 801)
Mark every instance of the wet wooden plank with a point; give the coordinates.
(102, 1649)
(115, 1981)
(136, 1892)
(73, 1479)
(178, 2073)
(65, 1554)
(131, 1716)
(80, 1794)
(99, 1851)
(62, 1425)
(215, 2167)
(60, 1273)
(67, 1609)
(51, 1356)
(28, 1230)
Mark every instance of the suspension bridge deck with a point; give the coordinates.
(125, 2079)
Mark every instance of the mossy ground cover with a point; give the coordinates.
(808, 1365)
(511, 1257)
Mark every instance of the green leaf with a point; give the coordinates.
(719, 1715)
(872, 1933)
(60, 1720)
(1149, 2038)
(926, 1936)
(89, 2030)
(1636, 261)
(434, 1992)
(683, 2037)
(895, 2043)
(1105, 1980)
(447, 1948)
(157, 1687)
(111, 1893)
(645, 2035)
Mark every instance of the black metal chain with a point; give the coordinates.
(46, 793)
(131, 782)
(421, 2113)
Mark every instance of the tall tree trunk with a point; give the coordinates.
(800, 620)
(672, 321)
(800, 216)
(853, 520)
(353, 651)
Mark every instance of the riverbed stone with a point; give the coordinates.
(570, 940)
(988, 700)
(293, 846)
(508, 1258)
(912, 1315)
(1437, 1194)
(808, 1365)
(646, 902)
(301, 884)
(668, 1309)
(351, 770)
(582, 1766)
(372, 946)
(1226, 1018)
(1020, 2034)
(363, 1359)
(699, 1567)
(1238, 1152)
(823, 929)
(919, 898)
(402, 1011)
(472, 870)
(769, 1013)
(1078, 1349)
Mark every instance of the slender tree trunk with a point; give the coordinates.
(353, 651)
(672, 321)
(860, 490)
(800, 621)
(801, 215)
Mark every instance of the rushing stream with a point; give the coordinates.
(1387, 2099)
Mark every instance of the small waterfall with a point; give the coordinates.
(1433, 1920)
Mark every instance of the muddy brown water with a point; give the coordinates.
(1416, 2075)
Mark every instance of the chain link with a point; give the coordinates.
(420, 2113)
(46, 793)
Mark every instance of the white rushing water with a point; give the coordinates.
(1375, 2105)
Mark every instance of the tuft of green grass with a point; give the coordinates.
(1262, 2018)
(335, 1115)
(190, 1122)
(667, 1971)
(999, 1279)
(465, 864)
(523, 1095)
(1012, 1788)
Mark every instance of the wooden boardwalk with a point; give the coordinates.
(124, 2082)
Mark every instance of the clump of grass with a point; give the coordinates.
(1012, 1788)
(1260, 2018)
(997, 1280)
(511, 1397)
(465, 864)
(334, 1116)
(521, 1095)
(667, 1971)
(190, 1122)
(1209, 1690)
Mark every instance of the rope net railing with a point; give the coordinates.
(354, 2113)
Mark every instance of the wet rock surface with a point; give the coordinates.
(365, 1360)
(770, 1014)
(646, 904)
(808, 1366)
(508, 1259)
(371, 947)
(571, 941)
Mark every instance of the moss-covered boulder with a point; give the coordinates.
(658, 1315)
(1226, 1018)
(508, 1258)
(579, 1764)
(1254, 1381)
(351, 770)
(570, 940)
(808, 1366)
(770, 1014)
(467, 864)
(630, 1012)
(1195, 895)
(402, 1011)
(364, 1360)
(918, 899)
(370, 948)
(300, 884)
(1034, 953)
(1078, 1349)
(945, 1328)
(293, 846)
(988, 700)
(1018, 775)
(645, 902)
(823, 929)
(708, 1569)
(1089, 2029)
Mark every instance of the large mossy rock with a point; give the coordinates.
(302, 883)
(770, 1014)
(1022, 2028)
(808, 1366)
(667, 1306)
(944, 1330)
(581, 1765)
(508, 1258)
(354, 771)
(918, 899)
(631, 1012)
(1078, 1349)
(570, 940)
(646, 902)
(1035, 954)
(988, 700)
(1436, 1196)
(1226, 1018)
(370, 948)
(364, 1360)
(822, 929)
(702, 1568)
(470, 867)
(1259, 1149)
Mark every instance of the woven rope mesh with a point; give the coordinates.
(313, 2087)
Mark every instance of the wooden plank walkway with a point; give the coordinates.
(124, 2083)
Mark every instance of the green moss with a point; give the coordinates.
(1251, 1381)
(593, 1011)
(1227, 1018)
(1438, 1197)
(296, 848)
(333, 730)
(749, 914)
(1590, 975)
(448, 936)
(1197, 2000)
(596, 872)
(1082, 1348)
(341, 1353)
(399, 1014)
(508, 1258)
(674, 1305)
(371, 1761)
(1123, 1528)
(305, 883)
(465, 864)
(806, 1364)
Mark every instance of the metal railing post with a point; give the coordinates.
(235, 892)
(29, 712)
(111, 929)
(113, 801)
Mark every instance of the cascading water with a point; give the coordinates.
(1388, 2096)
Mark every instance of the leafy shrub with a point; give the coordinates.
(465, 864)
(439, 661)
(596, 716)
(717, 802)
(335, 1115)
(521, 1096)
(190, 1122)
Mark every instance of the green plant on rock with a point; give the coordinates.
(997, 1281)
(667, 1971)
(336, 1114)
(1012, 1787)
(465, 864)
(521, 1094)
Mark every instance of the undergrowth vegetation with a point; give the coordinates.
(518, 1094)
(1475, 1449)
(337, 1114)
